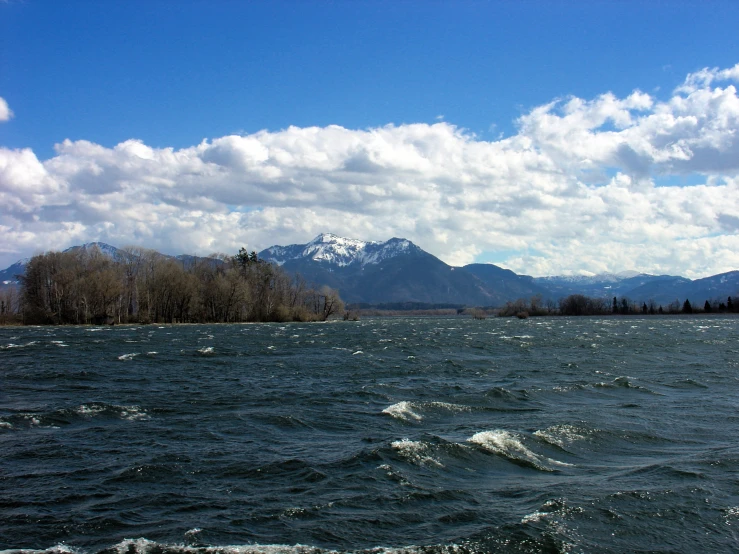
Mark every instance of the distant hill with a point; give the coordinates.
(639, 287)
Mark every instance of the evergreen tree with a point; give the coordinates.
(242, 258)
(707, 307)
(687, 308)
(615, 305)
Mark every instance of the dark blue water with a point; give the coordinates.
(399, 435)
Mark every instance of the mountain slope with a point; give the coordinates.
(392, 271)
(9, 275)
(505, 285)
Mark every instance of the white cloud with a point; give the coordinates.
(706, 76)
(5, 112)
(576, 189)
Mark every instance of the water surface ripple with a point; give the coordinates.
(383, 435)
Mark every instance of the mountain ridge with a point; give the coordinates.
(397, 270)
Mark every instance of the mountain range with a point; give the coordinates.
(398, 271)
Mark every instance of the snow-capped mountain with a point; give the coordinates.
(339, 251)
(392, 271)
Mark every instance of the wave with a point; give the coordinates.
(623, 383)
(284, 421)
(687, 384)
(510, 446)
(130, 413)
(510, 538)
(550, 508)
(66, 416)
(563, 436)
(296, 470)
(417, 452)
(194, 546)
(412, 411)
(502, 393)
(12, 345)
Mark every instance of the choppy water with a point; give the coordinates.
(416, 435)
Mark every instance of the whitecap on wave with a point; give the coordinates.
(13, 345)
(510, 446)
(562, 435)
(25, 420)
(146, 546)
(403, 411)
(65, 416)
(409, 411)
(416, 452)
(551, 509)
(131, 413)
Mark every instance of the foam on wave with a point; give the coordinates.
(561, 435)
(65, 416)
(409, 411)
(146, 546)
(12, 345)
(416, 452)
(510, 446)
(403, 411)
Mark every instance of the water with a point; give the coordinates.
(392, 435)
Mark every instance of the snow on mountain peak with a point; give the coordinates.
(340, 251)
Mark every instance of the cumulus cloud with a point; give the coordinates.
(581, 187)
(5, 112)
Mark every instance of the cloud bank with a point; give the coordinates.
(585, 185)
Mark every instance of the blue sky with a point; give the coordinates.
(173, 74)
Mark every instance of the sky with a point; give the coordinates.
(550, 138)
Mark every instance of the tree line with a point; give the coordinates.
(579, 304)
(143, 286)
